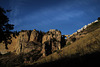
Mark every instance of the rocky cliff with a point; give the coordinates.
(27, 41)
(46, 43)
(51, 42)
(29, 46)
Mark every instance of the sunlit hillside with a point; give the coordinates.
(85, 51)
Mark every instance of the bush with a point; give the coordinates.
(58, 51)
(98, 18)
(9, 53)
(68, 43)
(73, 39)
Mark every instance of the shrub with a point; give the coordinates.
(68, 43)
(58, 51)
(73, 39)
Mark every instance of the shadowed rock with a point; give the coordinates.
(51, 42)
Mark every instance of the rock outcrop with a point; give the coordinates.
(51, 42)
(22, 41)
(34, 35)
(27, 41)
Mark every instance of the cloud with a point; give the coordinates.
(46, 14)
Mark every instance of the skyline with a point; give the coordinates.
(65, 15)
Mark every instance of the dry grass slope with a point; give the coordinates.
(87, 45)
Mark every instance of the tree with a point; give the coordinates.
(5, 27)
(98, 18)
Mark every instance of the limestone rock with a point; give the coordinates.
(51, 42)
(52, 34)
(23, 38)
(34, 35)
(2, 49)
(25, 45)
(27, 41)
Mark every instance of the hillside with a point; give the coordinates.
(83, 52)
(37, 48)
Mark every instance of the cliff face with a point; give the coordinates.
(27, 41)
(21, 44)
(34, 36)
(46, 43)
(51, 42)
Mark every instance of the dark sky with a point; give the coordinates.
(65, 15)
